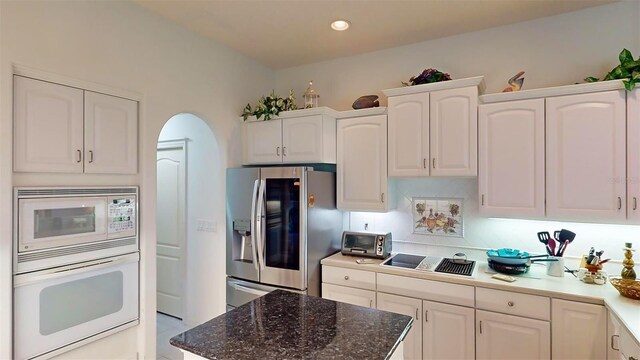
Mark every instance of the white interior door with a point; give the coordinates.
(170, 228)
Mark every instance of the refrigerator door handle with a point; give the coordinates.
(247, 289)
(261, 224)
(253, 230)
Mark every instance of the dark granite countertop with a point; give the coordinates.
(285, 325)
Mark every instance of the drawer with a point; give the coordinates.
(360, 279)
(426, 289)
(533, 306)
(366, 298)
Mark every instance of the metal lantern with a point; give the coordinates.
(310, 97)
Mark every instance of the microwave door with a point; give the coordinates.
(241, 236)
(282, 213)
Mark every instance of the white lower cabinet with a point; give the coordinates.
(500, 336)
(406, 306)
(447, 332)
(621, 345)
(349, 295)
(578, 330)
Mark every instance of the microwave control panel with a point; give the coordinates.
(122, 213)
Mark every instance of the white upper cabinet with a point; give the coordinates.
(362, 163)
(433, 129)
(633, 156)
(511, 159)
(67, 130)
(453, 118)
(48, 122)
(309, 137)
(409, 135)
(586, 167)
(262, 142)
(110, 134)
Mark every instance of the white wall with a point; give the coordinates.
(557, 50)
(119, 45)
(205, 270)
(553, 51)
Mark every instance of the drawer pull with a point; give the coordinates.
(346, 277)
(510, 303)
(612, 336)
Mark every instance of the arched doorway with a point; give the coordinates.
(189, 169)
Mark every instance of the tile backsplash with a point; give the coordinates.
(481, 233)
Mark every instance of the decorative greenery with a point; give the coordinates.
(628, 69)
(427, 76)
(270, 106)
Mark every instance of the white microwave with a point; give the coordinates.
(58, 226)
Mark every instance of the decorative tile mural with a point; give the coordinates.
(437, 216)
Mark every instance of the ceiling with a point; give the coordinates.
(286, 33)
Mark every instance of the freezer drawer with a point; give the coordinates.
(240, 292)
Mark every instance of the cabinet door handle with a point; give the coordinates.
(382, 197)
(480, 326)
(619, 203)
(417, 314)
(433, 163)
(278, 151)
(510, 303)
(79, 156)
(426, 315)
(371, 303)
(482, 200)
(346, 277)
(635, 203)
(424, 163)
(284, 151)
(90, 156)
(612, 336)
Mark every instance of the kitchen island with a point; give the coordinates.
(285, 325)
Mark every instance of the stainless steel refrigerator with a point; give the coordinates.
(281, 221)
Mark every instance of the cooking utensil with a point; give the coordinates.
(556, 235)
(508, 269)
(565, 237)
(552, 247)
(562, 248)
(544, 237)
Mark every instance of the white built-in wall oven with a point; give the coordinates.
(76, 263)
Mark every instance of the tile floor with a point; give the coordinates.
(166, 328)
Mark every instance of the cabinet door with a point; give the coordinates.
(579, 330)
(511, 159)
(409, 135)
(633, 156)
(366, 298)
(453, 118)
(110, 134)
(262, 142)
(302, 139)
(362, 163)
(586, 167)
(412, 348)
(511, 337)
(48, 127)
(448, 331)
(614, 329)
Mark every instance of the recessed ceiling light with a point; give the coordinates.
(340, 25)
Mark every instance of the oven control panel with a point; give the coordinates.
(121, 213)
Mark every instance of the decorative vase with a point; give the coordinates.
(627, 271)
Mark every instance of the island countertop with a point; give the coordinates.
(285, 325)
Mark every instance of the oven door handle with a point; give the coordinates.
(46, 275)
(254, 227)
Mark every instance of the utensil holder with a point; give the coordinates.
(556, 268)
